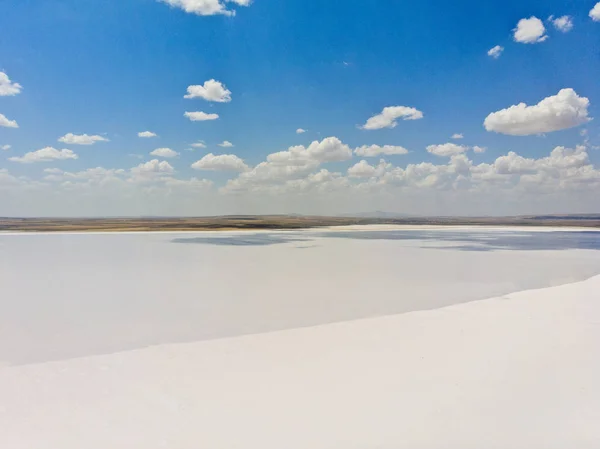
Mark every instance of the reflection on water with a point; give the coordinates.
(464, 240)
(469, 240)
(242, 240)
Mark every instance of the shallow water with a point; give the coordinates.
(464, 240)
(72, 295)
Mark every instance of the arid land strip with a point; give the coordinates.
(275, 222)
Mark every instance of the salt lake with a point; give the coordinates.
(72, 295)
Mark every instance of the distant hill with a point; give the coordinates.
(377, 214)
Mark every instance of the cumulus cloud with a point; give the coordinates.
(364, 170)
(7, 123)
(496, 51)
(5, 147)
(376, 150)
(206, 7)
(300, 131)
(82, 139)
(296, 162)
(44, 155)
(199, 145)
(564, 23)
(200, 116)
(53, 171)
(447, 149)
(595, 13)
(8, 180)
(458, 136)
(561, 111)
(7, 87)
(566, 177)
(563, 170)
(267, 174)
(226, 144)
(191, 184)
(92, 175)
(151, 170)
(164, 152)
(361, 170)
(478, 149)
(147, 134)
(330, 149)
(561, 158)
(530, 31)
(389, 116)
(158, 174)
(211, 90)
(222, 162)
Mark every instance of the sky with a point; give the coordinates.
(210, 107)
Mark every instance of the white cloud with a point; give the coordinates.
(91, 175)
(222, 162)
(563, 170)
(300, 131)
(206, 7)
(560, 159)
(496, 51)
(5, 147)
(268, 174)
(376, 150)
(361, 170)
(564, 23)
(8, 180)
(595, 12)
(53, 171)
(151, 170)
(212, 90)
(530, 31)
(147, 134)
(164, 152)
(296, 162)
(82, 139)
(200, 144)
(511, 184)
(458, 136)
(7, 87)
(44, 155)
(561, 111)
(447, 149)
(319, 183)
(389, 115)
(513, 164)
(7, 123)
(188, 184)
(364, 170)
(226, 144)
(330, 149)
(200, 116)
(478, 149)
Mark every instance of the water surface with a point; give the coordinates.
(73, 295)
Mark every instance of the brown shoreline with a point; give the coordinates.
(278, 222)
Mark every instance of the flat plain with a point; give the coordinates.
(255, 222)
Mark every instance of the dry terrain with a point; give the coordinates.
(274, 222)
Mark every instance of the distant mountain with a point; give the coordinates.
(377, 214)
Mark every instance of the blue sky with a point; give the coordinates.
(116, 68)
